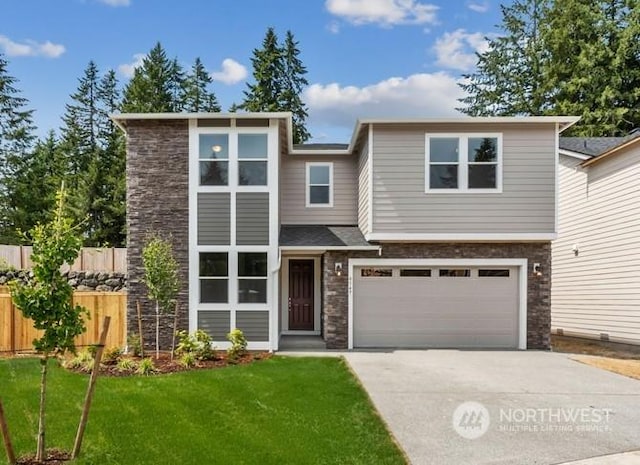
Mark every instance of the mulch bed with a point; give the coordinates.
(53, 457)
(164, 364)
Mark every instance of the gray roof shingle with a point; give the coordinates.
(321, 236)
(594, 146)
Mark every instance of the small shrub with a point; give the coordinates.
(198, 344)
(83, 361)
(146, 367)
(92, 349)
(134, 345)
(188, 360)
(238, 344)
(111, 356)
(127, 365)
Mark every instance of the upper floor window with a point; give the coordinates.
(213, 156)
(252, 159)
(463, 163)
(233, 159)
(319, 184)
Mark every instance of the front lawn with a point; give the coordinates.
(279, 411)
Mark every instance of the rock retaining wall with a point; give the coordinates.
(101, 281)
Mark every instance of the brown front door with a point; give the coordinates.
(301, 295)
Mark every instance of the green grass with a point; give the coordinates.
(279, 411)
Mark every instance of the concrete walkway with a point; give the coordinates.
(489, 407)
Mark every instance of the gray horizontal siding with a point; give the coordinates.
(293, 208)
(214, 218)
(526, 205)
(254, 324)
(252, 218)
(216, 324)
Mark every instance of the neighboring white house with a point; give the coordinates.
(596, 257)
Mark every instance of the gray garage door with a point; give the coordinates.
(447, 307)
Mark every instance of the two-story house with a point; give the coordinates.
(418, 233)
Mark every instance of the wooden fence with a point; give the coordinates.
(17, 333)
(90, 258)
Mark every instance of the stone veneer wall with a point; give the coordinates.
(101, 281)
(157, 201)
(335, 288)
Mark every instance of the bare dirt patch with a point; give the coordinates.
(629, 368)
(623, 359)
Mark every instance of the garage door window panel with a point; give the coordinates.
(454, 273)
(493, 273)
(376, 272)
(415, 273)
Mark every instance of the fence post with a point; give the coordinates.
(12, 331)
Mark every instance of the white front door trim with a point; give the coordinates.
(522, 263)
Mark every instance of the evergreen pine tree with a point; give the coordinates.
(588, 74)
(507, 79)
(196, 96)
(33, 186)
(154, 87)
(292, 86)
(112, 168)
(268, 70)
(16, 140)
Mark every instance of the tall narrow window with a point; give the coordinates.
(252, 277)
(214, 277)
(319, 184)
(213, 158)
(252, 159)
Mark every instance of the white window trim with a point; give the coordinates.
(463, 163)
(308, 167)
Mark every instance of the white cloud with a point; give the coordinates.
(127, 69)
(383, 12)
(116, 2)
(30, 48)
(333, 27)
(417, 95)
(232, 72)
(456, 50)
(478, 7)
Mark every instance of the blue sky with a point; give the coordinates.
(366, 58)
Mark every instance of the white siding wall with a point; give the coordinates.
(293, 194)
(364, 197)
(598, 291)
(526, 205)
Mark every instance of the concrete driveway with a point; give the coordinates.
(541, 408)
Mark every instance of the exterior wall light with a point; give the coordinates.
(537, 270)
(338, 269)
